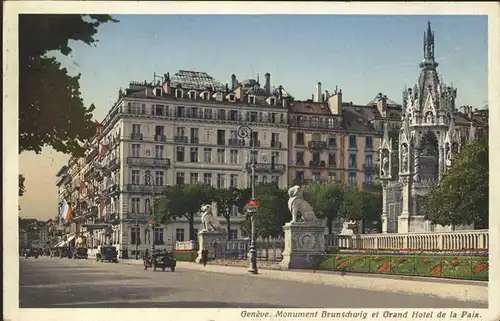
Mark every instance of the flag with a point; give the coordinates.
(104, 150)
(65, 211)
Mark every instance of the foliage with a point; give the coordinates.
(22, 186)
(326, 199)
(51, 111)
(272, 214)
(226, 198)
(461, 196)
(182, 201)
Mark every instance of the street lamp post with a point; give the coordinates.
(247, 132)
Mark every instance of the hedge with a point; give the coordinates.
(456, 267)
(185, 256)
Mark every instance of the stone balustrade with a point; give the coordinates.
(186, 245)
(456, 240)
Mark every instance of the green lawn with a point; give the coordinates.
(461, 267)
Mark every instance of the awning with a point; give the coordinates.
(65, 243)
(59, 244)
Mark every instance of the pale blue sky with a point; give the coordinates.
(363, 55)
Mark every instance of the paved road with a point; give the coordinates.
(65, 283)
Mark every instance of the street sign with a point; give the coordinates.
(252, 207)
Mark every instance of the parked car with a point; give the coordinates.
(31, 253)
(160, 260)
(81, 253)
(107, 253)
(65, 252)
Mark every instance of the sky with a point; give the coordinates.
(362, 55)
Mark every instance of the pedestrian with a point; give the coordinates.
(146, 254)
(204, 256)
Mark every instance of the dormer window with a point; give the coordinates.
(251, 99)
(218, 96)
(178, 93)
(232, 97)
(158, 92)
(205, 95)
(192, 94)
(272, 101)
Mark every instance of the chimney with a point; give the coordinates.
(318, 92)
(233, 82)
(382, 105)
(323, 98)
(267, 85)
(335, 102)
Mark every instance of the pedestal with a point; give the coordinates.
(304, 244)
(214, 242)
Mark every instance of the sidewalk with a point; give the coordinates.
(464, 291)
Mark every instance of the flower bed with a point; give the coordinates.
(450, 266)
(464, 252)
(185, 255)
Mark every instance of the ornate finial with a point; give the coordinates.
(429, 43)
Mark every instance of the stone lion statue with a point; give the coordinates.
(299, 207)
(210, 223)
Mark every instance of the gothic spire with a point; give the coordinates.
(429, 58)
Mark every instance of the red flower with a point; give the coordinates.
(377, 258)
(480, 267)
(338, 257)
(385, 266)
(437, 270)
(343, 264)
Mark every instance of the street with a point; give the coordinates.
(65, 283)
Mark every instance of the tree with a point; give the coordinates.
(226, 198)
(183, 201)
(22, 187)
(326, 199)
(272, 213)
(371, 208)
(461, 196)
(51, 111)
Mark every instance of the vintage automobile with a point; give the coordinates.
(81, 253)
(161, 261)
(107, 253)
(31, 253)
(65, 252)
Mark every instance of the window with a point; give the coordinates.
(207, 178)
(368, 179)
(148, 178)
(316, 137)
(207, 155)
(135, 176)
(208, 113)
(221, 156)
(351, 178)
(254, 156)
(136, 150)
(179, 156)
(193, 178)
(159, 110)
(275, 140)
(332, 159)
(332, 141)
(352, 161)
(221, 178)
(233, 180)
(194, 154)
(195, 135)
(233, 115)
(221, 114)
(179, 234)
(234, 156)
(195, 112)
(299, 157)
(159, 178)
(315, 157)
(179, 178)
(264, 179)
(181, 131)
(135, 236)
(136, 128)
(221, 137)
(159, 130)
(136, 202)
(180, 111)
(147, 206)
(192, 94)
(253, 116)
(316, 176)
(332, 176)
(368, 142)
(368, 160)
(299, 139)
(299, 175)
(255, 139)
(352, 141)
(275, 157)
(272, 101)
(159, 151)
(158, 235)
(233, 234)
(206, 96)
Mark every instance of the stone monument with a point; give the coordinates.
(212, 236)
(304, 234)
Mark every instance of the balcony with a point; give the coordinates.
(136, 217)
(160, 138)
(370, 168)
(317, 164)
(254, 143)
(235, 142)
(114, 164)
(181, 139)
(136, 136)
(275, 144)
(148, 162)
(89, 173)
(300, 143)
(113, 191)
(300, 163)
(194, 140)
(262, 167)
(332, 164)
(316, 144)
(141, 188)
